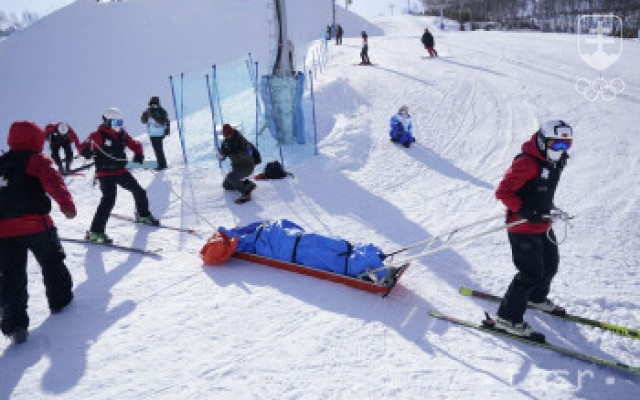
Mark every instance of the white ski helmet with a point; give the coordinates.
(112, 118)
(554, 138)
(63, 128)
(404, 110)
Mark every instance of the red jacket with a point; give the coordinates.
(51, 128)
(29, 136)
(522, 170)
(95, 143)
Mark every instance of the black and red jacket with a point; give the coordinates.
(109, 146)
(530, 183)
(31, 177)
(56, 139)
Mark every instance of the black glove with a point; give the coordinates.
(138, 158)
(531, 215)
(87, 153)
(167, 131)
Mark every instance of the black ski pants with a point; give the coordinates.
(109, 186)
(48, 251)
(536, 258)
(235, 179)
(158, 149)
(364, 54)
(68, 154)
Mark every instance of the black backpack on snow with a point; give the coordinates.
(274, 170)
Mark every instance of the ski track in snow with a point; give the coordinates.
(142, 328)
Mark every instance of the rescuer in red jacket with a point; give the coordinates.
(27, 179)
(107, 145)
(527, 190)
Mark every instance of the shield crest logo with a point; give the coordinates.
(598, 47)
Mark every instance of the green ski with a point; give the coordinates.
(620, 330)
(562, 350)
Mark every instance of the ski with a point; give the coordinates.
(558, 349)
(151, 164)
(78, 169)
(620, 330)
(146, 252)
(170, 227)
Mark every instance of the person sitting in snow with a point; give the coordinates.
(61, 135)
(240, 152)
(402, 127)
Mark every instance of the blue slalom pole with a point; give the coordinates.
(275, 121)
(313, 114)
(217, 91)
(213, 118)
(178, 120)
(257, 101)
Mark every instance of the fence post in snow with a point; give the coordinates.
(257, 101)
(178, 120)
(313, 114)
(216, 92)
(275, 120)
(213, 119)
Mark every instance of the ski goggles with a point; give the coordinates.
(559, 144)
(115, 123)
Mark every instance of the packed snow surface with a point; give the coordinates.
(171, 328)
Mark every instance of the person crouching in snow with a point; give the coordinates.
(27, 179)
(402, 127)
(107, 145)
(61, 135)
(240, 152)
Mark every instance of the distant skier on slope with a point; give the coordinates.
(364, 53)
(27, 179)
(402, 127)
(527, 190)
(107, 144)
(429, 42)
(61, 135)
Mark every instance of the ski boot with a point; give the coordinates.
(520, 329)
(147, 220)
(548, 306)
(98, 237)
(19, 335)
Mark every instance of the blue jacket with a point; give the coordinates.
(401, 128)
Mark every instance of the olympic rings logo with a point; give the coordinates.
(600, 88)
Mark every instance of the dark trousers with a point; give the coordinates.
(235, 180)
(536, 259)
(68, 154)
(109, 186)
(158, 149)
(364, 55)
(49, 253)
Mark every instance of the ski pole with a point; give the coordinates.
(454, 243)
(449, 234)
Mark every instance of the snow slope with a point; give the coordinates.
(172, 328)
(88, 56)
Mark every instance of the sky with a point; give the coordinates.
(168, 327)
